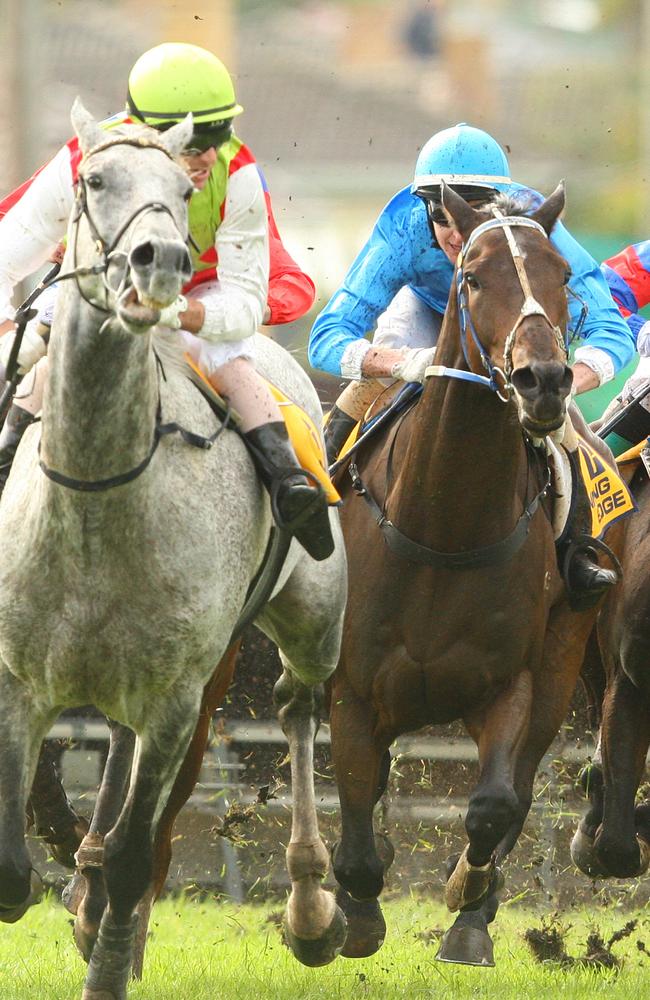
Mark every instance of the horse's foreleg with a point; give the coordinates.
(362, 857)
(128, 847)
(493, 804)
(213, 694)
(583, 853)
(85, 894)
(314, 925)
(20, 740)
(55, 820)
(494, 812)
(625, 739)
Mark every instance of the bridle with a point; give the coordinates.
(502, 551)
(498, 379)
(109, 251)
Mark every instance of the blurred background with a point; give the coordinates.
(339, 97)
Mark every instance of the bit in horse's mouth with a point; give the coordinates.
(135, 313)
(540, 428)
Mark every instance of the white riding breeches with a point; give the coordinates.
(207, 354)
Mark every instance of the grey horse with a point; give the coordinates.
(124, 594)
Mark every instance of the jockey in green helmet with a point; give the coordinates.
(219, 312)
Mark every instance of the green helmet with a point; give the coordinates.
(175, 78)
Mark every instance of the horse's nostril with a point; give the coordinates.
(142, 255)
(524, 380)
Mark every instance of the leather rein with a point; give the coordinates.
(500, 552)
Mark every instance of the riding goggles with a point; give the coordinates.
(206, 136)
(437, 214)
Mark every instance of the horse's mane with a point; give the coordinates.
(509, 204)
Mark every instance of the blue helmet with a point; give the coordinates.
(464, 157)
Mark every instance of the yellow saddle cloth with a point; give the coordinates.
(608, 494)
(302, 432)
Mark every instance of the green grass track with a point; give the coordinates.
(212, 951)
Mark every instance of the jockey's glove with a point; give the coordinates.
(170, 315)
(413, 364)
(32, 349)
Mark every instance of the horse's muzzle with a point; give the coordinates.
(158, 269)
(542, 389)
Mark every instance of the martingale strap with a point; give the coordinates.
(488, 555)
(160, 431)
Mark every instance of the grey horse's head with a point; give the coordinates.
(131, 210)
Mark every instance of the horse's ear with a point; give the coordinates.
(178, 137)
(463, 217)
(88, 131)
(550, 211)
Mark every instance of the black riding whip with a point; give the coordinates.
(620, 415)
(23, 315)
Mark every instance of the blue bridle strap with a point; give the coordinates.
(441, 370)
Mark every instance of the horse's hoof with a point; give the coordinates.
(464, 945)
(584, 856)
(64, 851)
(322, 950)
(467, 883)
(73, 893)
(101, 995)
(366, 925)
(9, 915)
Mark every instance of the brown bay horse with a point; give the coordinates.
(459, 611)
(613, 838)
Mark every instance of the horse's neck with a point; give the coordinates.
(463, 474)
(100, 401)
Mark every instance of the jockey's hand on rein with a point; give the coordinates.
(412, 366)
(32, 349)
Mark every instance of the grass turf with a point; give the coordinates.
(223, 952)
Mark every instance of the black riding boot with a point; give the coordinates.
(17, 422)
(298, 501)
(338, 428)
(585, 580)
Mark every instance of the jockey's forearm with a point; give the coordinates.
(6, 326)
(379, 361)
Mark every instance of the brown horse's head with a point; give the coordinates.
(512, 303)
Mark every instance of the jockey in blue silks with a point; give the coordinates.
(399, 284)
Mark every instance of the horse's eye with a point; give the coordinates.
(188, 194)
(568, 274)
(94, 181)
(472, 281)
